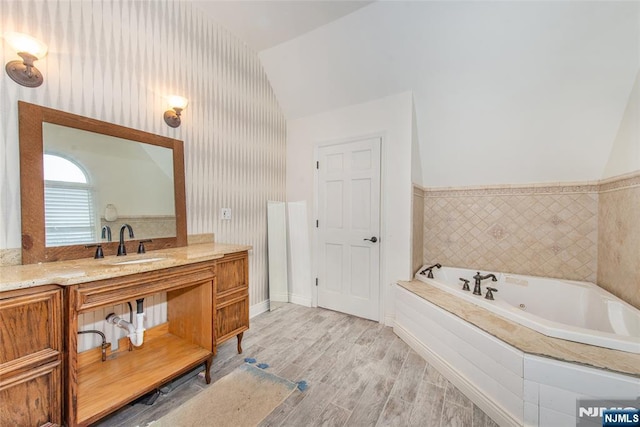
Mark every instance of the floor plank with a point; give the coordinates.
(359, 373)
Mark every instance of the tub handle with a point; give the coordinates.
(465, 286)
(490, 292)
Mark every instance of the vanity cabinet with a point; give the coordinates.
(97, 388)
(31, 356)
(231, 298)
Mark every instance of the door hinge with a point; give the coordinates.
(317, 165)
(317, 223)
(316, 281)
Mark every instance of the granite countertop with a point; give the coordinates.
(525, 339)
(73, 272)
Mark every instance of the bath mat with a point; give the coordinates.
(242, 398)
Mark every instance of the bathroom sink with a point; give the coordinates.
(138, 261)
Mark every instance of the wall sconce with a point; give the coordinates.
(172, 117)
(30, 50)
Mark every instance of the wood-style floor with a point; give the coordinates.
(359, 373)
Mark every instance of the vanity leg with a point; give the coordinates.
(240, 342)
(207, 370)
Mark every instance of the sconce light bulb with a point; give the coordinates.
(25, 43)
(178, 102)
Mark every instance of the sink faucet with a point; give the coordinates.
(429, 269)
(479, 278)
(122, 250)
(106, 232)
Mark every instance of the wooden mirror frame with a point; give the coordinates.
(34, 247)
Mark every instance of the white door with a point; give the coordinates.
(349, 227)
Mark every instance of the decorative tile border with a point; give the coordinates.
(620, 182)
(512, 190)
(608, 184)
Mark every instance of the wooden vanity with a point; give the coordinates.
(44, 379)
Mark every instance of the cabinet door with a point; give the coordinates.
(31, 398)
(31, 356)
(231, 296)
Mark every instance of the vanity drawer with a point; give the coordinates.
(232, 318)
(30, 326)
(233, 273)
(126, 288)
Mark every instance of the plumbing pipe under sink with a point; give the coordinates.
(136, 333)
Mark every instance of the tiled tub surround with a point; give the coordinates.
(619, 237)
(548, 231)
(577, 231)
(417, 235)
(514, 374)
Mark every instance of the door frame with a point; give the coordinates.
(381, 135)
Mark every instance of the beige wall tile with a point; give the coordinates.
(578, 231)
(417, 239)
(543, 231)
(619, 248)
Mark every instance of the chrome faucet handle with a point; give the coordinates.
(99, 253)
(465, 286)
(490, 292)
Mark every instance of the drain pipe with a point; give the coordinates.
(136, 335)
(139, 321)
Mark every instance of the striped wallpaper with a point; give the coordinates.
(116, 60)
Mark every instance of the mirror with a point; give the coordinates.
(122, 175)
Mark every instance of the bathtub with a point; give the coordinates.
(574, 311)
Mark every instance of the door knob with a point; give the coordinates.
(373, 239)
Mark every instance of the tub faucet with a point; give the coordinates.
(122, 250)
(479, 278)
(429, 269)
(106, 233)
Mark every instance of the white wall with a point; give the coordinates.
(505, 92)
(390, 118)
(625, 152)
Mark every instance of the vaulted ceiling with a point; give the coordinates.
(504, 92)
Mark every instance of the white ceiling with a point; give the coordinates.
(504, 92)
(267, 23)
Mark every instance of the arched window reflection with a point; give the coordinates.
(69, 214)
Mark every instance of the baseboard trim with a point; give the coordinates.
(300, 300)
(497, 413)
(258, 308)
